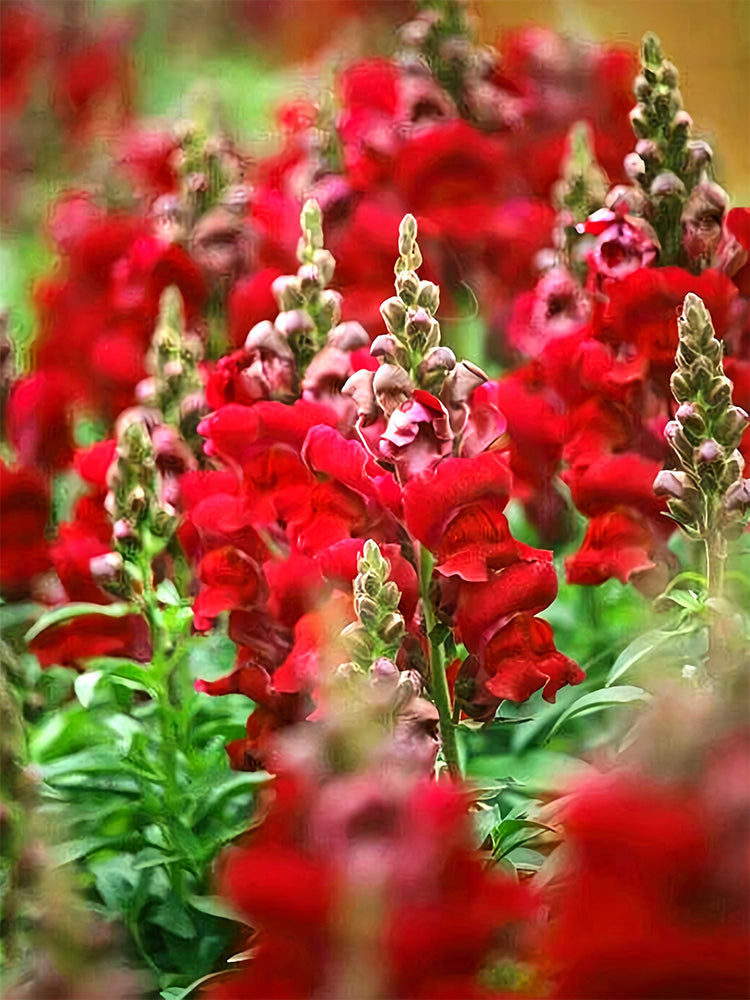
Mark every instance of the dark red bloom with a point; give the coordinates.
(73, 642)
(25, 505)
(521, 657)
(652, 902)
(527, 586)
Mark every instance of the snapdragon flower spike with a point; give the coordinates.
(414, 411)
(143, 522)
(672, 172)
(579, 193)
(707, 494)
(380, 627)
(175, 388)
(307, 346)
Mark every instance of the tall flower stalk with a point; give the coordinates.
(707, 495)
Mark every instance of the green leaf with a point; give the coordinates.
(536, 772)
(84, 686)
(216, 906)
(173, 917)
(98, 758)
(485, 821)
(526, 859)
(14, 614)
(69, 611)
(597, 701)
(166, 592)
(637, 650)
(72, 850)
(119, 884)
(685, 599)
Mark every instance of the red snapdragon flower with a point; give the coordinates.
(652, 899)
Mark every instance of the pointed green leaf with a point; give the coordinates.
(84, 686)
(597, 701)
(639, 649)
(69, 611)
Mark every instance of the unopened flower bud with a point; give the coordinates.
(325, 263)
(308, 278)
(384, 672)
(122, 530)
(720, 393)
(293, 323)
(357, 642)
(428, 296)
(670, 484)
(407, 235)
(419, 321)
(407, 286)
(680, 387)
(666, 184)
(641, 88)
(267, 336)
(709, 452)
(731, 426)
(637, 123)
(737, 497)
(682, 122)
(648, 151)
(330, 308)
(386, 346)
(287, 291)
(699, 153)
(390, 595)
(106, 568)
(392, 628)
(367, 611)
(348, 336)
(634, 166)
(393, 312)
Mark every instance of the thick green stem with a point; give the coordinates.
(438, 679)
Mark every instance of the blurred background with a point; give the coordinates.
(243, 58)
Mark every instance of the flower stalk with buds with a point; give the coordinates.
(707, 495)
(671, 170)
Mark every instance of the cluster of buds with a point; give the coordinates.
(441, 40)
(175, 388)
(143, 519)
(379, 629)
(579, 193)
(308, 329)
(707, 495)
(671, 172)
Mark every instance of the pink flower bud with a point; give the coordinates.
(710, 451)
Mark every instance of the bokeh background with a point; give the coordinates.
(244, 57)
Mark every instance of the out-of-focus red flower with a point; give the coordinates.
(646, 907)
(25, 505)
(642, 308)
(73, 642)
(618, 544)
(40, 414)
(323, 851)
(24, 38)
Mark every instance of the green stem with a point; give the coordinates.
(438, 679)
(716, 554)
